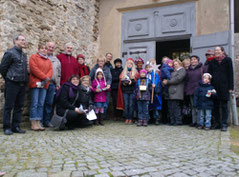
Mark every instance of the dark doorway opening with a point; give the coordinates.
(172, 49)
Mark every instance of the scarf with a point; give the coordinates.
(43, 56)
(83, 70)
(72, 87)
(220, 58)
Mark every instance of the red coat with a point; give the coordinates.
(69, 67)
(40, 69)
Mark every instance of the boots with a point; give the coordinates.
(34, 125)
(140, 123)
(101, 118)
(39, 126)
(145, 123)
(96, 121)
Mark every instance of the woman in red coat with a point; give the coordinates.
(40, 74)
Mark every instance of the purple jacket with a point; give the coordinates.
(193, 77)
(99, 96)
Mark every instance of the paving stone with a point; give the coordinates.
(119, 150)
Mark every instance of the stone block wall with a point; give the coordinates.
(236, 66)
(60, 21)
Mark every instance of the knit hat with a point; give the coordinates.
(207, 74)
(118, 60)
(139, 60)
(209, 52)
(168, 61)
(80, 56)
(197, 57)
(143, 71)
(130, 59)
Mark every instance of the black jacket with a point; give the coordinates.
(222, 77)
(64, 102)
(201, 101)
(126, 88)
(85, 97)
(14, 65)
(115, 77)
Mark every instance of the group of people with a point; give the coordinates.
(66, 84)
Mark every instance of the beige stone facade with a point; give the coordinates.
(208, 18)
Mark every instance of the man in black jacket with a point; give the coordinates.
(14, 71)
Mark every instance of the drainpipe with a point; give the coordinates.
(232, 48)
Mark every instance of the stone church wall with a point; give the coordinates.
(60, 21)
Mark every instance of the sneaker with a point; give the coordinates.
(156, 122)
(126, 121)
(200, 127)
(207, 128)
(130, 122)
(224, 129)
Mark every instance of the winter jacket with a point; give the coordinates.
(65, 102)
(99, 96)
(176, 85)
(69, 67)
(193, 77)
(166, 72)
(126, 88)
(115, 77)
(56, 65)
(201, 101)
(85, 97)
(106, 71)
(109, 65)
(143, 95)
(40, 70)
(222, 77)
(14, 65)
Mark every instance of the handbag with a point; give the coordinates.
(60, 121)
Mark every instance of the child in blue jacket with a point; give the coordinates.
(166, 71)
(156, 105)
(203, 101)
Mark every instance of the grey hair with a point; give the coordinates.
(69, 44)
(16, 37)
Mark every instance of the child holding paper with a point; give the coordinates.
(142, 94)
(99, 88)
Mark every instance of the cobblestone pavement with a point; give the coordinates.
(119, 150)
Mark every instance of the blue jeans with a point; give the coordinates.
(48, 103)
(128, 105)
(106, 103)
(207, 114)
(143, 109)
(38, 96)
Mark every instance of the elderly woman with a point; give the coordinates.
(222, 79)
(40, 74)
(71, 97)
(194, 75)
(176, 92)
